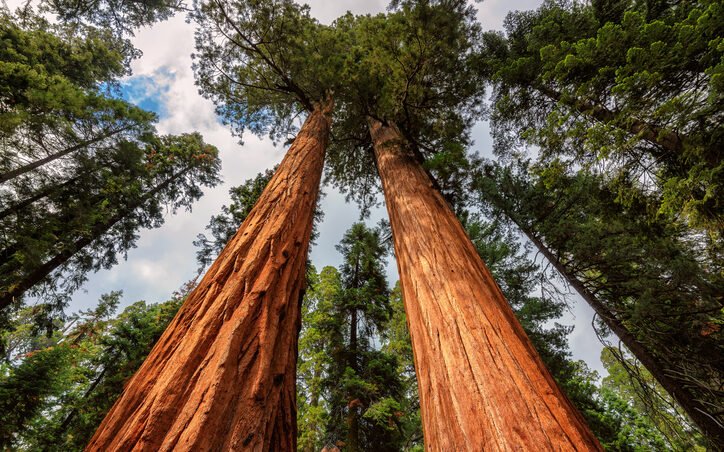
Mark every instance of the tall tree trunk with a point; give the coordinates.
(40, 162)
(353, 444)
(40, 194)
(222, 376)
(18, 287)
(697, 411)
(482, 384)
(352, 405)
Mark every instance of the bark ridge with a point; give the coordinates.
(482, 385)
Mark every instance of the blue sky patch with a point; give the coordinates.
(148, 92)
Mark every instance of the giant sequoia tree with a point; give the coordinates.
(263, 63)
(242, 321)
(404, 88)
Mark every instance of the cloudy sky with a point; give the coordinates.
(163, 81)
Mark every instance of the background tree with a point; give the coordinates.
(396, 342)
(648, 284)
(90, 227)
(350, 390)
(82, 170)
(629, 381)
(365, 386)
(121, 16)
(628, 89)
(91, 356)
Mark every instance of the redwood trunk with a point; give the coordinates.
(222, 375)
(482, 384)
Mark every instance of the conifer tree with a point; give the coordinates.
(412, 67)
(647, 283)
(631, 90)
(95, 222)
(82, 170)
(241, 323)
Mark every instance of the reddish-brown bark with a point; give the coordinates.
(222, 376)
(482, 385)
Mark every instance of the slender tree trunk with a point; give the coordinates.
(222, 376)
(352, 416)
(314, 403)
(698, 412)
(40, 194)
(38, 163)
(18, 287)
(482, 384)
(353, 444)
(63, 427)
(670, 141)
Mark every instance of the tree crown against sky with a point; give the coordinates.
(123, 17)
(629, 89)
(82, 169)
(264, 63)
(393, 105)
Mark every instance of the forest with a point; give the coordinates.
(392, 229)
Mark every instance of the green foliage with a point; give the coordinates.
(396, 342)
(23, 392)
(629, 383)
(120, 16)
(82, 170)
(50, 245)
(265, 62)
(350, 391)
(415, 66)
(650, 277)
(55, 397)
(623, 89)
(251, 60)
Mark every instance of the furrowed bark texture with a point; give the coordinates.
(482, 384)
(222, 376)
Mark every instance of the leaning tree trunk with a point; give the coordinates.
(4, 177)
(670, 141)
(222, 376)
(14, 288)
(37, 196)
(482, 384)
(704, 417)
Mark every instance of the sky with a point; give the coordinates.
(164, 258)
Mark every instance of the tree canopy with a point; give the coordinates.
(627, 89)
